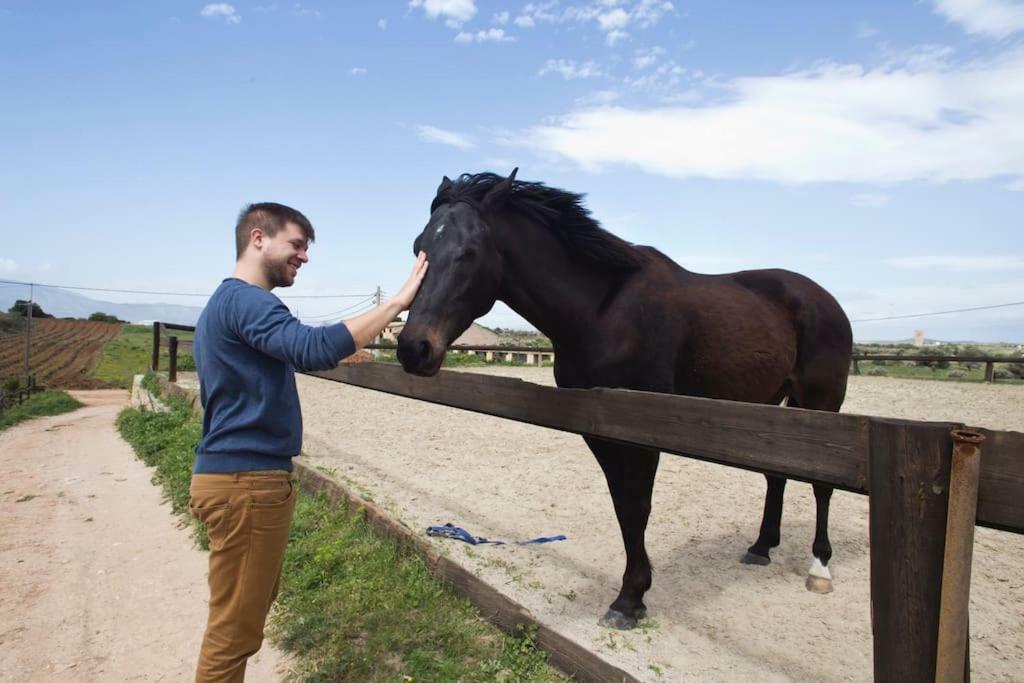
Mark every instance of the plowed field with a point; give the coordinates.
(64, 352)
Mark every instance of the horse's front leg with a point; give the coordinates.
(630, 473)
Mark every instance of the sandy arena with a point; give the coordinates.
(710, 617)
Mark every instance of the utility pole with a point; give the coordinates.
(28, 331)
(380, 335)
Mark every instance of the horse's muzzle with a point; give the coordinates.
(419, 354)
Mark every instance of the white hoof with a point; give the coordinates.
(816, 584)
(819, 578)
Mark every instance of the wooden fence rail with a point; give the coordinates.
(903, 466)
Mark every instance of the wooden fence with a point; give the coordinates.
(918, 475)
(9, 399)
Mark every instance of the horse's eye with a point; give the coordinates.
(467, 255)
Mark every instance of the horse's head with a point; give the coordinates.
(464, 276)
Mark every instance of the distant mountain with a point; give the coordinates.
(62, 303)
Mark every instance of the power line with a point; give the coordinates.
(335, 313)
(139, 291)
(330, 321)
(955, 310)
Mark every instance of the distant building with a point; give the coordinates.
(476, 335)
(918, 337)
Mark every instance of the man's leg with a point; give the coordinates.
(248, 517)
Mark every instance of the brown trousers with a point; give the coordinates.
(248, 517)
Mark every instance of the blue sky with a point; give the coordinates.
(877, 147)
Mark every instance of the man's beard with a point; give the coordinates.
(279, 274)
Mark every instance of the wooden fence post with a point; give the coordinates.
(909, 467)
(172, 370)
(990, 371)
(155, 365)
(953, 664)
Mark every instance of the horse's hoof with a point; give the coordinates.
(817, 584)
(751, 558)
(618, 621)
(819, 578)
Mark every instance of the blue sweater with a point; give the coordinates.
(247, 348)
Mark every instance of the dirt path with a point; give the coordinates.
(99, 582)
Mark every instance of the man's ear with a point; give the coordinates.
(257, 237)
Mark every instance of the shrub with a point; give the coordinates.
(11, 384)
(878, 372)
(956, 374)
(1002, 374)
(104, 318)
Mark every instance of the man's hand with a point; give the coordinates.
(408, 291)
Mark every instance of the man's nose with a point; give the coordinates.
(303, 256)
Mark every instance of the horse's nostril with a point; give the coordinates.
(423, 349)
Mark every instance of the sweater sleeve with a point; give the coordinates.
(266, 324)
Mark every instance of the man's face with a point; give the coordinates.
(283, 255)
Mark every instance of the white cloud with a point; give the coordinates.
(491, 35)
(358, 71)
(569, 69)
(382, 24)
(612, 17)
(996, 18)
(866, 31)
(455, 12)
(616, 19)
(958, 262)
(8, 266)
(445, 137)
(920, 120)
(306, 12)
(646, 58)
(613, 37)
(597, 98)
(223, 11)
(501, 18)
(870, 200)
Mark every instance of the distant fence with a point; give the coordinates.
(9, 399)
(927, 483)
(989, 361)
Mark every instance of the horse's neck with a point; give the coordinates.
(543, 284)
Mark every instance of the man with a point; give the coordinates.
(247, 348)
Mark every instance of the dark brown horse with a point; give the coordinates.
(620, 315)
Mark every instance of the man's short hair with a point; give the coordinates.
(271, 217)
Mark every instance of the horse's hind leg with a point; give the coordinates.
(819, 578)
(630, 474)
(771, 523)
(825, 396)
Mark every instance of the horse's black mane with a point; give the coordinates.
(560, 210)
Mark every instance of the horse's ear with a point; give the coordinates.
(416, 245)
(446, 183)
(500, 192)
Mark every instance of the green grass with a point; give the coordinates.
(49, 402)
(353, 605)
(131, 353)
(910, 370)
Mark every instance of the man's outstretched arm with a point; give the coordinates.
(364, 328)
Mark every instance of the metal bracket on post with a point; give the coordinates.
(952, 661)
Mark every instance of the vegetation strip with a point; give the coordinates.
(49, 402)
(132, 350)
(353, 604)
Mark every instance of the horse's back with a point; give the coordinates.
(753, 335)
